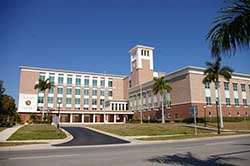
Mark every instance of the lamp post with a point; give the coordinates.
(141, 101)
(205, 114)
(59, 117)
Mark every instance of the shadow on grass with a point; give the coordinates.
(190, 160)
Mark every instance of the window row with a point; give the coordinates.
(226, 86)
(228, 102)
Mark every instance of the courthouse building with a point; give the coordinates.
(88, 97)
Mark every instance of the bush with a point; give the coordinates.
(191, 120)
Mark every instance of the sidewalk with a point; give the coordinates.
(5, 134)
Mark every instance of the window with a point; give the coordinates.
(42, 76)
(207, 85)
(94, 92)
(77, 100)
(102, 92)
(112, 106)
(236, 101)
(208, 100)
(94, 82)
(51, 78)
(51, 90)
(110, 93)
(116, 106)
(244, 102)
(86, 108)
(68, 100)
(102, 102)
(50, 100)
(243, 87)
(102, 82)
(141, 52)
(110, 83)
(78, 91)
(130, 83)
(69, 79)
(147, 53)
(226, 86)
(86, 101)
(60, 90)
(86, 92)
(69, 91)
(235, 86)
(94, 102)
(78, 80)
(86, 81)
(60, 79)
(228, 101)
(40, 99)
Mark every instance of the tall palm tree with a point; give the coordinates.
(212, 74)
(231, 30)
(161, 85)
(42, 86)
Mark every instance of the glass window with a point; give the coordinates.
(77, 100)
(110, 93)
(86, 101)
(244, 102)
(78, 91)
(110, 83)
(60, 90)
(51, 78)
(94, 92)
(228, 101)
(236, 101)
(60, 79)
(78, 80)
(86, 81)
(51, 90)
(207, 85)
(42, 76)
(235, 86)
(40, 99)
(102, 82)
(86, 92)
(101, 102)
(69, 91)
(141, 52)
(68, 100)
(226, 86)
(94, 82)
(50, 100)
(243, 87)
(116, 106)
(102, 92)
(208, 100)
(69, 79)
(112, 106)
(94, 102)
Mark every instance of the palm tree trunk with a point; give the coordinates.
(44, 100)
(162, 111)
(220, 108)
(217, 110)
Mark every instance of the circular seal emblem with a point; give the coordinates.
(27, 102)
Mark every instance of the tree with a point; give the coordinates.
(8, 108)
(42, 86)
(161, 85)
(212, 74)
(231, 30)
(1, 88)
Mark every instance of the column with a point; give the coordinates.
(93, 118)
(114, 118)
(71, 118)
(124, 118)
(82, 118)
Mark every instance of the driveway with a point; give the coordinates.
(83, 136)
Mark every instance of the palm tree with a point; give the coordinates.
(212, 74)
(231, 30)
(161, 85)
(43, 85)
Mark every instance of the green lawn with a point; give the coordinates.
(188, 136)
(37, 132)
(243, 125)
(2, 128)
(4, 144)
(149, 129)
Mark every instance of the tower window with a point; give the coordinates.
(147, 53)
(141, 52)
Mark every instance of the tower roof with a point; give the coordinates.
(141, 46)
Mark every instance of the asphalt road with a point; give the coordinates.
(223, 151)
(83, 136)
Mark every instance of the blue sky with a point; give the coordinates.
(91, 35)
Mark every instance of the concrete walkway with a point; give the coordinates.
(5, 134)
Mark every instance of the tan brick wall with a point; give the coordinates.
(118, 89)
(28, 79)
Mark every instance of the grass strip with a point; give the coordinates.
(5, 144)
